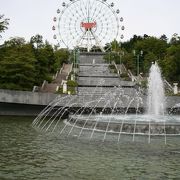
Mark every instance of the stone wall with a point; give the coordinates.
(29, 103)
(26, 97)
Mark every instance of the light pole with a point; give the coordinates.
(140, 54)
(77, 59)
(110, 54)
(120, 57)
(121, 53)
(74, 60)
(109, 57)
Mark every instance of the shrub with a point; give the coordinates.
(71, 83)
(111, 66)
(144, 84)
(124, 75)
(49, 79)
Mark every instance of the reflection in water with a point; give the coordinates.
(26, 154)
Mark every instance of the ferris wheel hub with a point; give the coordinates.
(88, 25)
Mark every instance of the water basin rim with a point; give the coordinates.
(131, 119)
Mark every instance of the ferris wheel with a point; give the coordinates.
(87, 24)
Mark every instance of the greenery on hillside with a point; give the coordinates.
(148, 49)
(25, 64)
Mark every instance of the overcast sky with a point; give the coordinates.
(31, 17)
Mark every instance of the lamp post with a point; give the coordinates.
(74, 60)
(77, 59)
(140, 54)
(110, 54)
(121, 53)
(120, 57)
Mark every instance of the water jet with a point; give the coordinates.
(103, 114)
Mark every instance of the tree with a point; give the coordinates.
(3, 24)
(37, 41)
(114, 45)
(130, 62)
(149, 57)
(45, 60)
(145, 36)
(129, 45)
(11, 45)
(17, 68)
(171, 64)
(175, 40)
(163, 37)
(15, 42)
(41, 66)
(61, 56)
(49, 53)
(152, 44)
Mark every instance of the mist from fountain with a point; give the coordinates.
(156, 96)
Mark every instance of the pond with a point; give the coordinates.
(28, 154)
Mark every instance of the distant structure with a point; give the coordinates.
(87, 24)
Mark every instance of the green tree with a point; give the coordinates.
(37, 41)
(41, 66)
(16, 42)
(175, 40)
(61, 56)
(154, 45)
(49, 53)
(115, 46)
(45, 59)
(163, 37)
(171, 64)
(130, 61)
(149, 57)
(17, 68)
(4, 22)
(130, 45)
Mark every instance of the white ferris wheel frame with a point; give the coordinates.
(87, 38)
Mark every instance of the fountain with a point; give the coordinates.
(156, 95)
(109, 115)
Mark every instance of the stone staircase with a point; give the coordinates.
(100, 91)
(60, 76)
(96, 79)
(89, 58)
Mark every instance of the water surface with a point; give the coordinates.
(28, 154)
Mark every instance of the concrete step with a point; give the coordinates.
(51, 88)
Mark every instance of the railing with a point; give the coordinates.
(168, 85)
(133, 78)
(44, 84)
